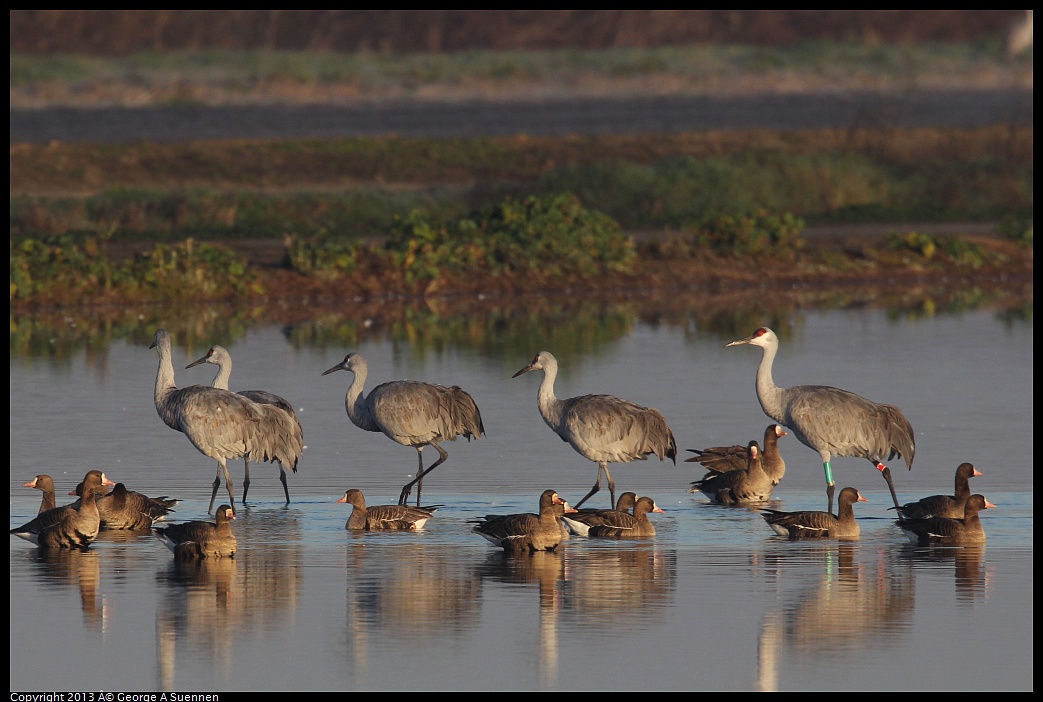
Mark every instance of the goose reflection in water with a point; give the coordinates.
(208, 603)
(65, 568)
(620, 584)
(854, 602)
(547, 571)
(971, 576)
(407, 599)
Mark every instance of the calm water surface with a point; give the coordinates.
(714, 602)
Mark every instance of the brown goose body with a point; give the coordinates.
(630, 526)
(95, 478)
(723, 459)
(45, 484)
(526, 532)
(200, 539)
(384, 517)
(123, 509)
(71, 526)
(580, 521)
(819, 525)
(738, 486)
(948, 506)
(944, 531)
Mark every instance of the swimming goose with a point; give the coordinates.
(818, 525)
(210, 540)
(384, 517)
(945, 531)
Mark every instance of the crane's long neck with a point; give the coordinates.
(165, 383)
(551, 408)
(355, 402)
(769, 394)
(224, 373)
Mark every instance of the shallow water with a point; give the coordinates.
(715, 601)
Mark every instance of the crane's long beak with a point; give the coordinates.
(196, 363)
(526, 369)
(335, 368)
(739, 342)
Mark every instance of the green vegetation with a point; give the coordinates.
(56, 270)
(555, 236)
(348, 189)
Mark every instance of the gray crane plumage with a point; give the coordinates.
(832, 421)
(220, 424)
(288, 432)
(601, 428)
(411, 413)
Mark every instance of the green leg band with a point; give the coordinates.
(829, 473)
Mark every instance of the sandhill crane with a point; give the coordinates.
(289, 434)
(411, 413)
(818, 525)
(832, 421)
(219, 423)
(601, 428)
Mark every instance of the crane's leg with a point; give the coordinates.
(830, 485)
(213, 495)
(228, 484)
(597, 486)
(282, 477)
(419, 479)
(246, 480)
(886, 472)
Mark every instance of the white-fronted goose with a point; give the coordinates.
(127, 509)
(211, 540)
(949, 506)
(723, 459)
(738, 486)
(516, 533)
(629, 526)
(384, 517)
(819, 525)
(580, 521)
(45, 484)
(946, 531)
(67, 527)
(95, 478)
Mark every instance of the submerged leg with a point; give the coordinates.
(419, 479)
(246, 481)
(228, 484)
(282, 477)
